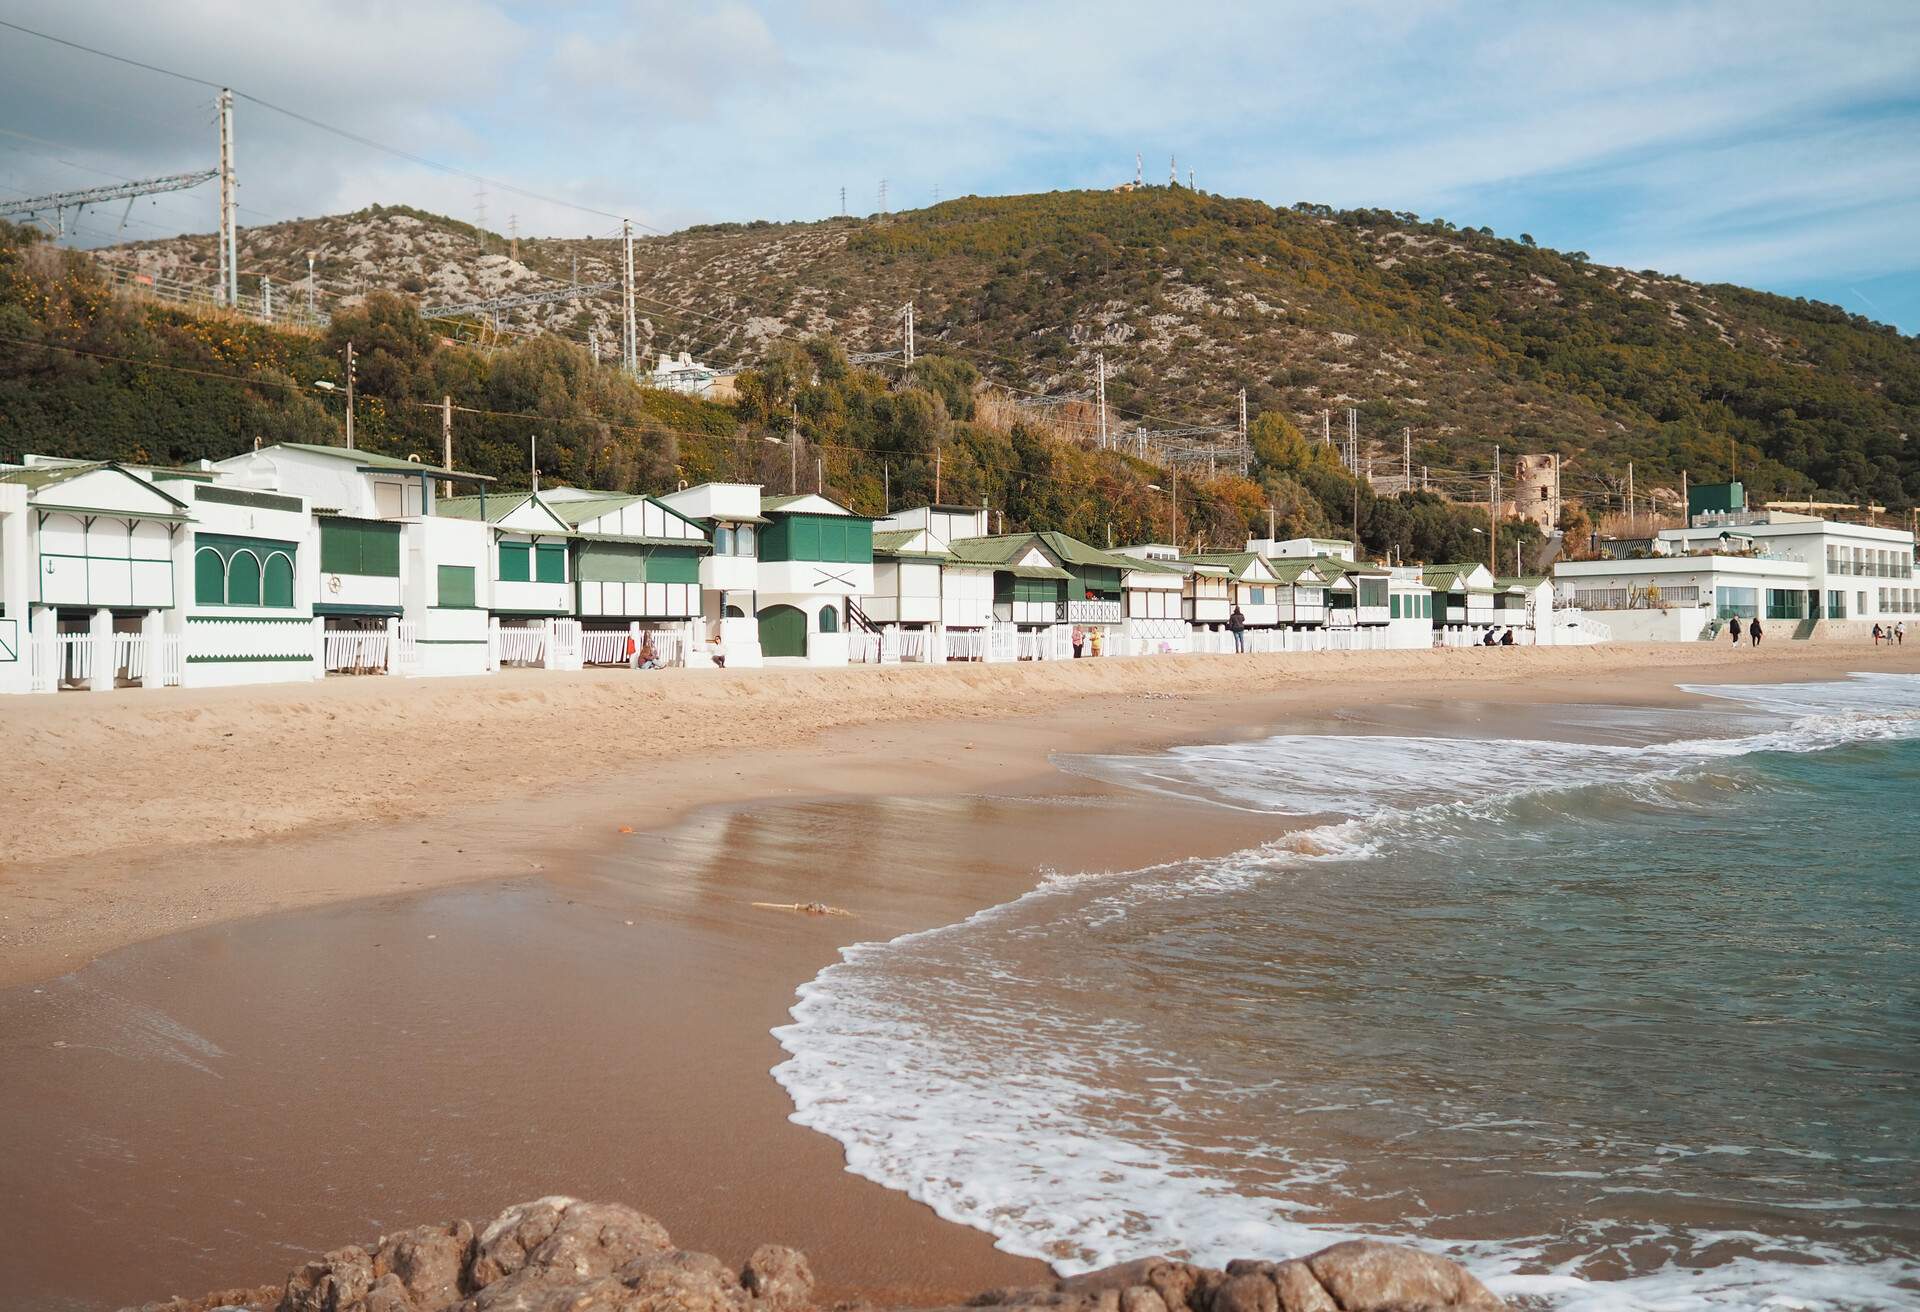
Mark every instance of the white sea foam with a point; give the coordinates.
(1032, 1142)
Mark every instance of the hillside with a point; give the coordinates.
(1467, 338)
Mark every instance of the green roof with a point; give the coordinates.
(1035, 571)
(1519, 581)
(500, 503)
(1442, 578)
(995, 550)
(1288, 569)
(893, 542)
(1075, 552)
(575, 510)
(374, 460)
(781, 503)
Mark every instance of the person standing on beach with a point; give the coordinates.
(1900, 634)
(1079, 640)
(1237, 624)
(1753, 630)
(1876, 635)
(1734, 629)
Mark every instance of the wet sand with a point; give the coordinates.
(444, 1015)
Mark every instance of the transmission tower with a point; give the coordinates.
(883, 195)
(843, 202)
(906, 316)
(59, 202)
(630, 322)
(1100, 391)
(500, 303)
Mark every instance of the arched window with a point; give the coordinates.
(209, 577)
(243, 579)
(829, 620)
(733, 613)
(743, 544)
(276, 581)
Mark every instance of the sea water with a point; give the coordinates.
(1625, 1013)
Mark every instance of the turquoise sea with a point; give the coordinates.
(1623, 1009)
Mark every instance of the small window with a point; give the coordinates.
(515, 562)
(744, 540)
(456, 586)
(829, 620)
(243, 579)
(723, 540)
(550, 562)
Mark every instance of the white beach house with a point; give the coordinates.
(729, 575)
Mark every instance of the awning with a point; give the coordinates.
(333, 608)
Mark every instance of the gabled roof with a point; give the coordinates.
(1294, 569)
(374, 460)
(1237, 562)
(498, 507)
(37, 478)
(578, 510)
(1073, 551)
(1334, 567)
(895, 543)
(794, 505)
(1527, 581)
(1001, 551)
(1446, 578)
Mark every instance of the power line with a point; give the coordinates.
(310, 121)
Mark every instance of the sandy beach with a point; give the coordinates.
(360, 861)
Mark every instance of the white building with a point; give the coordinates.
(729, 577)
(684, 374)
(1808, 576)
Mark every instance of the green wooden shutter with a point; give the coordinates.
(667, 565)
(243, 579)
(550, 562)
(860, 542)
(456, 585)
(339, 546)
(380, 550)
(209, 577)
(276, 583)
(515, 566)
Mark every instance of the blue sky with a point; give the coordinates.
(1771, 144)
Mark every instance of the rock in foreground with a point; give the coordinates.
(562, 1255)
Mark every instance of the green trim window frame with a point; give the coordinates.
(829, 619)
(550, 562)
(230, 570)
(1371, 592)
(368, 547)
(455, 587)
(516, 562)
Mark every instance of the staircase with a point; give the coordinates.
(861, 620)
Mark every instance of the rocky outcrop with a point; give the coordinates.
(562, 1255)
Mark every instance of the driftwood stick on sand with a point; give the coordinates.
(804, 908)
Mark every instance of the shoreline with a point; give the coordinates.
(210, 813)
(429, 916)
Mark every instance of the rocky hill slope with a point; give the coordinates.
(1465, 338)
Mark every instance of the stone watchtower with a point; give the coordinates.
(1536, 489)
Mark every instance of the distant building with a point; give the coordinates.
(689, 377)
(1536, 489)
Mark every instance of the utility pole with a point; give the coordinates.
(886, 488)
(883, 195)
(1353, 440)
(1406, 458)
(533, 459)
(229, 206)
(1629, 498)
(310, 285)
(513, 237)
(843, 202)
(936, 476)
(1326, 428)
(1686, 506)
(819, 474)
(1246, 451)
(907, 313)
(1100, 386)
(446, 433)
(1174, 538)
(266, 297)
(349, 396)
(793, 453)
(1496, 478)
(1493, 528)
(630, 323)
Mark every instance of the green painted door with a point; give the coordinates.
(783, 631)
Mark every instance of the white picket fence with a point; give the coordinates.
(609, 646)
(914, 644)
(966, 644)
(523, 645)
(349, 651)
(67, 660)
(150, 659)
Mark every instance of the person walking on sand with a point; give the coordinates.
(1876, 635)
(1900, 634)
(1237, 625)
(1079, 640)
(1733, 627)
(1753, 630)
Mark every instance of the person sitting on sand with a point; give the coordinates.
(649, 654)
(1753, 630)
(1488, 640)
(717, 650)
(1734, 629)
(1506, 639)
